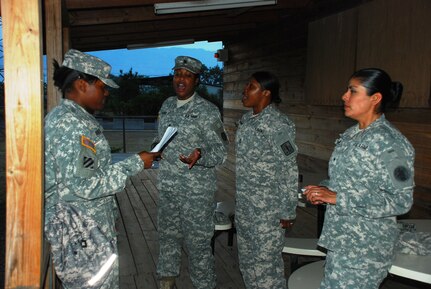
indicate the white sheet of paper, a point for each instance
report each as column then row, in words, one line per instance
column 169, row 133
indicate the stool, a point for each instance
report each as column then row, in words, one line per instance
column 308, row 276
column 227, row 210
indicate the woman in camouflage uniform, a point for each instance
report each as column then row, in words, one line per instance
column 78, row 166
column 187, row 180
column 266, row 183
column 370, row 183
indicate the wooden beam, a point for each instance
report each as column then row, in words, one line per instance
column 88, row 4
column 152, row 36
column 170, row 25
column 54, row 47
column 22, row 38
column 146, row 13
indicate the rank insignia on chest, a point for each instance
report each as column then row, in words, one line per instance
column 86, row 142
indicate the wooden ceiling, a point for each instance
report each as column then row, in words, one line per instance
column 113, row 24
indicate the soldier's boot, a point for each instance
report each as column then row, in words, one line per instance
column 167, row 282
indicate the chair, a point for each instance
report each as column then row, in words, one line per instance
column 224, row 214
column 301, row 247
column 308, row 276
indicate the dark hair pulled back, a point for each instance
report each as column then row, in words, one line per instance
column 64, row 77
column 376, row 80
column 269, row 82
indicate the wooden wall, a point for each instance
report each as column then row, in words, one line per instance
column 314, row 70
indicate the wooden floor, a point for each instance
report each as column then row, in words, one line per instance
column 138, row 238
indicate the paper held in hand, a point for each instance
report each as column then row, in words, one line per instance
column 169, row 133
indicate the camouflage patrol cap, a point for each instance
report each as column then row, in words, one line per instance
column 191, row 64
column 89, row 64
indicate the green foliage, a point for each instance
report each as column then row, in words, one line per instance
column 212, row 75
column 134, row 97
column 129, row 85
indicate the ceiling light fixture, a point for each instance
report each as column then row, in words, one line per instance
column 160, row 44
column 203, row 5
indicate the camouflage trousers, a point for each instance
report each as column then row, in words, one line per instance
column 260, row 248
column 187, row 219
column 112, row 281
column 347, row 272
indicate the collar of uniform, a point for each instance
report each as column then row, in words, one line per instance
column 73, row 105
column 181, row 102
column 76, row 108
column 267, row 110
column 375, row 123
column 356, row 131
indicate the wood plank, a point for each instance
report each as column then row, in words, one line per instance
column 406, row 27
column 146, row 280
column 128, row 281
column 22, row 44
column 146, row 217
column 228, row 275
column 126, row 260
column 227, row 266
column 54, row 48
column 79, row 4
column 331, row 57
column 140, row 251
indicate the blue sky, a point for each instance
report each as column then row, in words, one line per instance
column 158, row 61
column 153, row 61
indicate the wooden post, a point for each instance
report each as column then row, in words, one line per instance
column 22, row 39
column 54, row 47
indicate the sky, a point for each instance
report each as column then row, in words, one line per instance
column 152, row 62
column 158, row 61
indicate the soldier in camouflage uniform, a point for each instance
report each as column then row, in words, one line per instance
column 187, row 180
column 78, row 166
column 266, row 183
column 370, row 183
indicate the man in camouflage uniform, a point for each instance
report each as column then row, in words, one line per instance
column 187, row 180
column 78, row 166
column 267, row 187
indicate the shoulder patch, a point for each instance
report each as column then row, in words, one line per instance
column 285, row 144
column 287, row 148
column 398, row 169
column 218, row 127
column 86, row 163
column 86, row 142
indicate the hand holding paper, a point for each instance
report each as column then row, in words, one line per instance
column 169, row 133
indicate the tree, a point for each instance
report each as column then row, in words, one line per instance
column 212, row 75
column 131, row 98
column 136, row 98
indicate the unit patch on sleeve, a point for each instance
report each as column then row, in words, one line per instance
column 287, row 148
column 219, row 129
column 396, row 165
column 86, row 142
column 285, row 144
column 88, row 163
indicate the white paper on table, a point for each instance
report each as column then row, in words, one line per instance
column 169, row 133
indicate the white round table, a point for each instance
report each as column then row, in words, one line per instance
column 308, row 276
